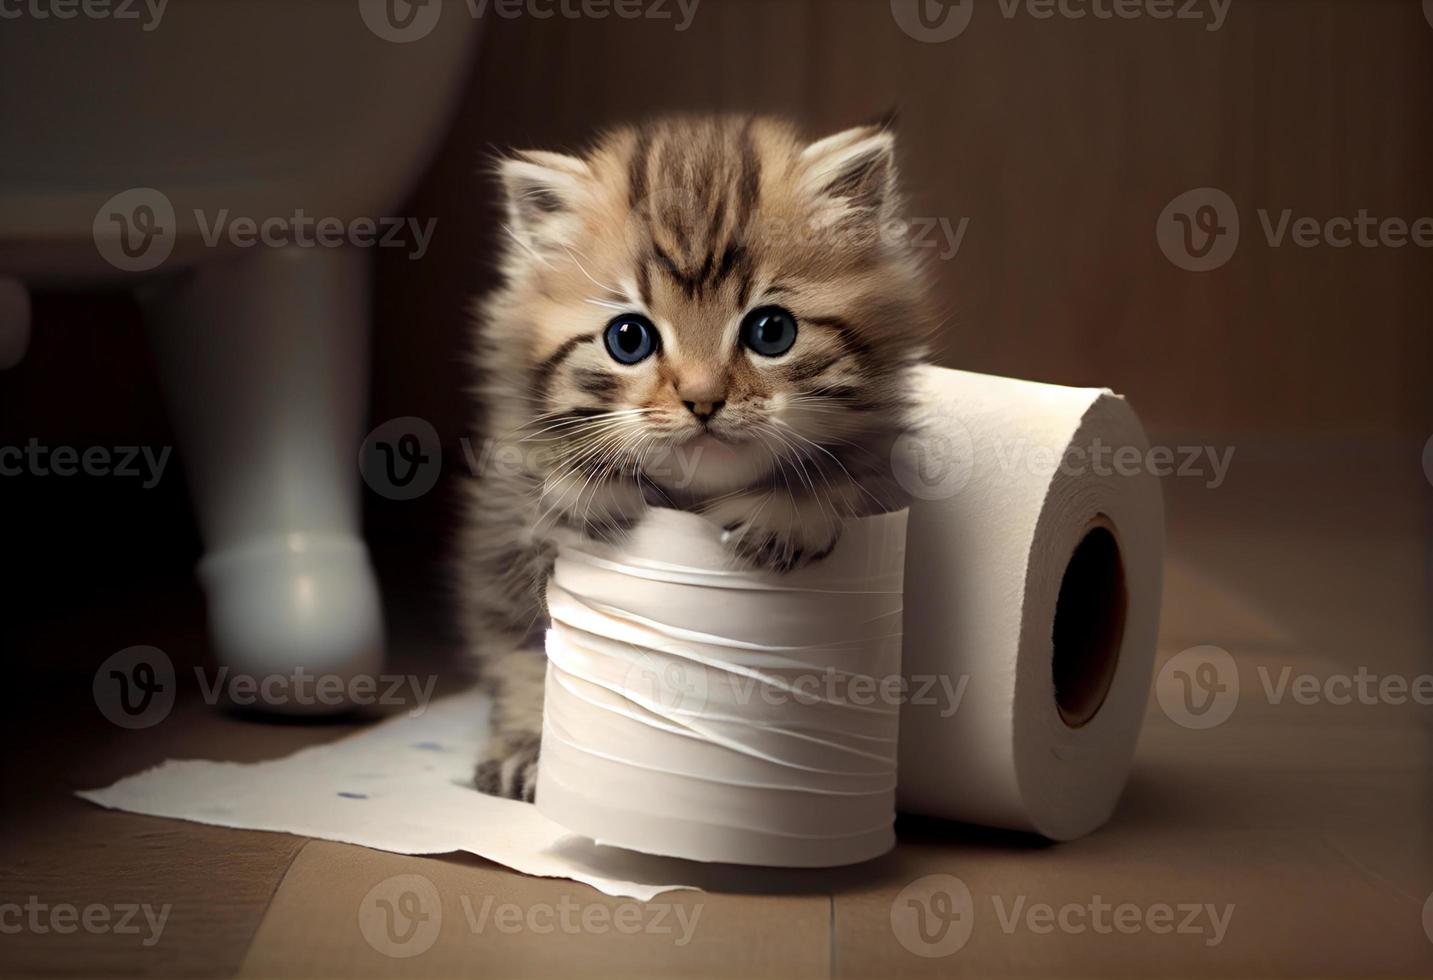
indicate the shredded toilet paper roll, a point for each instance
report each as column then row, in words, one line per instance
column 1033, row 586
column 701, row 710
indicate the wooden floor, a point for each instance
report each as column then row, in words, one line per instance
column 1293, row 839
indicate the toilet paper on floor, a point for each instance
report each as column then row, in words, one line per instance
column 704, row 710
column 405, row 786
column 1033, row 581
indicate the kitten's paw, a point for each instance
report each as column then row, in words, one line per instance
column 781, row 548
column 508, row 767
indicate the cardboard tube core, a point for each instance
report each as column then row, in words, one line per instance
column 1089, row 624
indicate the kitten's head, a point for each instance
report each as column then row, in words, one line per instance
column 711, row 299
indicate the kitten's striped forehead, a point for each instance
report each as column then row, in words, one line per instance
column 692, row 190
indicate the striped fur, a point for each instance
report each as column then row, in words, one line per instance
column 691, row 222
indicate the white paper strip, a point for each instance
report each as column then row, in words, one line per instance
column 404, row 786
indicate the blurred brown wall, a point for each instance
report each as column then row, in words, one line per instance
column 1061, row 141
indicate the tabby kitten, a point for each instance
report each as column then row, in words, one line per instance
column 704, row 313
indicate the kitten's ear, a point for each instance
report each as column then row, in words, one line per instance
column 543, row 193
column 853, row 172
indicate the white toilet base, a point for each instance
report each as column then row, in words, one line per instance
column 299, row 613
column 264, row 360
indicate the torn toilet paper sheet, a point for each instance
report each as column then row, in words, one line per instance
column 404, row 786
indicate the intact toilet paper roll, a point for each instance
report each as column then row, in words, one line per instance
column 1033, row 582
column 702, row 710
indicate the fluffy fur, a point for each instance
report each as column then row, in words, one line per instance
column 691, row 222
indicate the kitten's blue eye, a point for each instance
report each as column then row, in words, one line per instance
column 631, row 338
column 769, row 330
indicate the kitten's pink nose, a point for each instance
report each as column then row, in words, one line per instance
column 702, row 394
column 703, row 410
